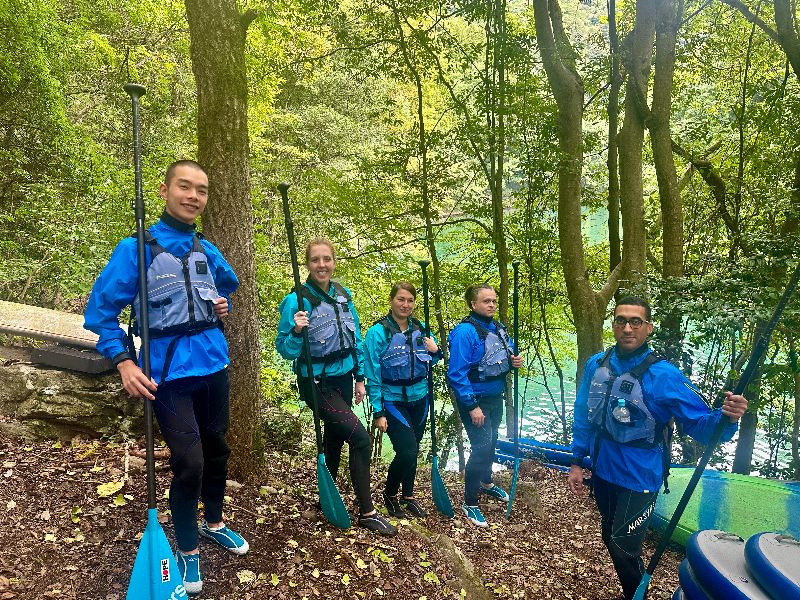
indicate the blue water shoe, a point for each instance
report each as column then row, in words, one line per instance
column 474, row 515
column 227, row 538
column 495, row 492
column 189, row 568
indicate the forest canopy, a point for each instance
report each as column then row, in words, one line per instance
column 647, row 147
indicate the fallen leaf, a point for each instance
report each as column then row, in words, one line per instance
column 109, row 489
column 246, row 576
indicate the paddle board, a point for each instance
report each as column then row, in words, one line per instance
column 717, row 562
column 774, row 561
column 738, row 504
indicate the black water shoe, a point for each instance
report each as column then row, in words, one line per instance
column 412, row 507
column 377, row 524
column 393, row 506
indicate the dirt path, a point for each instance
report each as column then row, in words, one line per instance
column 63, row 539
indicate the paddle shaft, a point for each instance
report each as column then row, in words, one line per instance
column 427, row 313
column 759, row 348
column 283, row 188
column 136, row 91
column 515, row 306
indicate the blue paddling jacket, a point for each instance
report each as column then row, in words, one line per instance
column 391, row 374
column 667, row 393
column 201, row 353
column 468, row 349
column 333, row 320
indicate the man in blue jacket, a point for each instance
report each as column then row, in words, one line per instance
column 626, row 399
column 189, row 285
column 481, row 355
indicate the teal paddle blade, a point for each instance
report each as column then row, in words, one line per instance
column 642, row 589
column 329, row 498
column 155, row 573
column 441, row 499
column 513, row 490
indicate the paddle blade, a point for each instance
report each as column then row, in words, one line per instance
column 642, row 589
column 155, row 573
column 329, row 498
column 513, row 490
column 441, row 499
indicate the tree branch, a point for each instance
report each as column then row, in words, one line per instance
column 753, row 18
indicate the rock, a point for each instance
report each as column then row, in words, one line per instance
column 136, row 464
column 232, row 485
column 51, row 403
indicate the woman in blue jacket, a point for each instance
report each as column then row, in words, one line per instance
column 397, row 359
column 336, row 348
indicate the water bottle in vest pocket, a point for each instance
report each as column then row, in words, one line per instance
column 204, row 303
column 641, row 428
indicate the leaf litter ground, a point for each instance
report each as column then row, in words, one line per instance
column 75, row 513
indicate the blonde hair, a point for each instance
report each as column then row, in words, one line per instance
column 319, row 241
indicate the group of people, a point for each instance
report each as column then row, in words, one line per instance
column 625, row 399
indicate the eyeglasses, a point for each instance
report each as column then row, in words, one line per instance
column 634, row 322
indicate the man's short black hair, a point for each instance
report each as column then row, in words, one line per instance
column 181, row 163
column 636, row 301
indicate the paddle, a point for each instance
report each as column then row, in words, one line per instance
column 759, row 348
column 329, row 498
column 441, row 499
column 155, row 573
column 515, row 477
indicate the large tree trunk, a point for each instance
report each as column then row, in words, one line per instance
column 217, row 32
column 615, row 83
column 588, row 307
column 638, row 56
column 668, row 20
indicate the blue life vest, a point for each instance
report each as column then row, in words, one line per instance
column 606, row 391
column 331, row 325
column 406, row 360
column 180, row 291
column 496, row 360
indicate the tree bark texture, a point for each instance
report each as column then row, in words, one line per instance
column 667, row 22
column 217, row 33
column 558, row 56
column 615, row 83
column 637, row 56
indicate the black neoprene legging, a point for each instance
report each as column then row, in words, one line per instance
column 624, row 518
column 342, row 425
column 406, row 426
column 192, row 413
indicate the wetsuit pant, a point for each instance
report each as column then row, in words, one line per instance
column 193, row 413
column 624, row 518
column 342, row 425
column 406, row 426
column 482, row 442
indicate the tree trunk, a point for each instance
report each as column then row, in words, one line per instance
column 638, row 56
column 558, row 56
column 615, row 83
column 217, row 32
column 669, row 17
column 743, row 458
column 795, row 439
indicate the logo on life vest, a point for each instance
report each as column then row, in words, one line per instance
column 166, row 276
column 626, row 387
column 164, row 570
